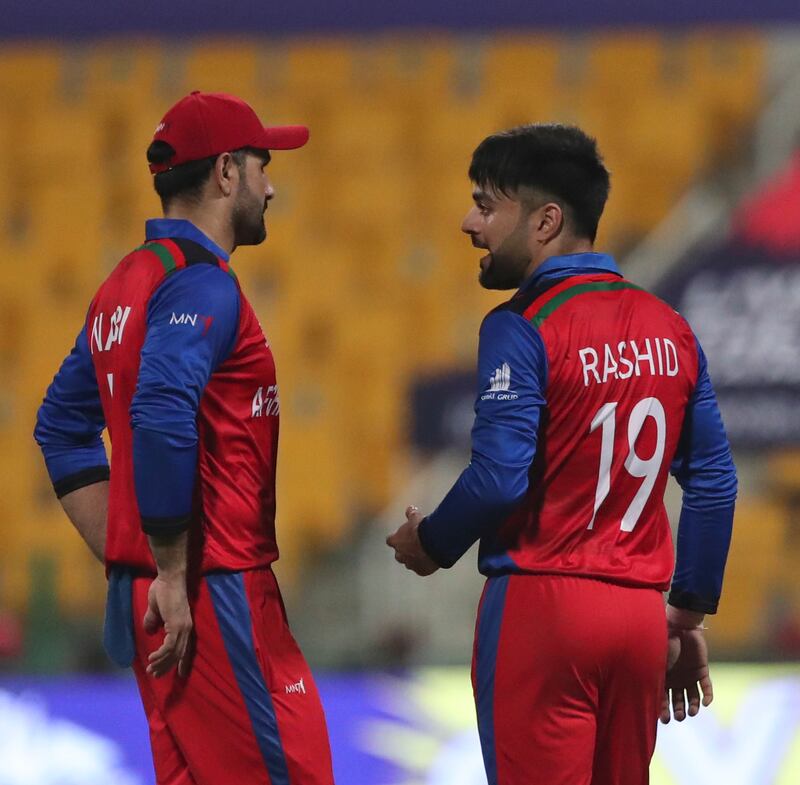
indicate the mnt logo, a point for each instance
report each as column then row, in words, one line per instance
column 191, row 319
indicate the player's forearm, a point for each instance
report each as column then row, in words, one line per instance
column 480, row 500
column 87, row 508
column 169, row 552
column 704, row 537
column 164, row 472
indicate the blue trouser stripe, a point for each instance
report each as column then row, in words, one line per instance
column 489, row 623
column 233, row 616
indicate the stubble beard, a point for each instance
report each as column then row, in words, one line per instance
column 248, row 220
column 507, row 265
column 503, row 272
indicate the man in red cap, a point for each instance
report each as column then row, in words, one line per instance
column 174, row 362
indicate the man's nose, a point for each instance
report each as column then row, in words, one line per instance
column 468, row 224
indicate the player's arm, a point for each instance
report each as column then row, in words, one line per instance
column 177, row 360
column 704, row 468
column 68, row 430
column 511, row 359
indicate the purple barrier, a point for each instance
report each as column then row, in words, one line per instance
column 58, row 19
column 92, row 731
column 394, row 730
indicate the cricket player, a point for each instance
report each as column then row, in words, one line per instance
column 173, row 361
column 590, row 390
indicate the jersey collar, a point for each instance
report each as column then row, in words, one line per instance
column 161, row 228
column 572, row 264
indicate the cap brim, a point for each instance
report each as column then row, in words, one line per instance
column 285, row 137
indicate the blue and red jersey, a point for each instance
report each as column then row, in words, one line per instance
column 173, row 361
column 590, row 391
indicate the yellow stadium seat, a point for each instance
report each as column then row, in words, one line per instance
column 366, row 280
column 30, row 74
column 521, row 79
column 750, row 576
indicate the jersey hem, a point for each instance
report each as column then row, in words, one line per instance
column 688, row 601
column 77, row 480
column 166, row 527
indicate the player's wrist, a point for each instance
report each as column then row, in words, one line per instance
column 173, row 575
column 684, row 619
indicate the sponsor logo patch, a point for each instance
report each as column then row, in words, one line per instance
column 500, row 385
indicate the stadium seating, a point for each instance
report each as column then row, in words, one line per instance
column 365, row 280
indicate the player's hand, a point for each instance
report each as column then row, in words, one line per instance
column 168, row 606
column 408, row 549
column 688, row 677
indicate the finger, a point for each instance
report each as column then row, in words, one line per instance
column 163, row 662
column 665, row 715
column 412, row 511
column 183, row 659
column 708, row 690
column 678, row 705
column 693, row 696
column 162, row 666
column 166, row 649
column 163, row 669
column 398, row 557
column 175, row 654
column 182, row 655
column 415, row 566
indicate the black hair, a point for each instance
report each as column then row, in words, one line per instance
column 560, row 162
column 187, row 180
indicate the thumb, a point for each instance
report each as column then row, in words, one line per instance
column 152, row 619
column 411, row 511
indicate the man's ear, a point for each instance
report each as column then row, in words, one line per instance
column 548, row 222
column 226, row 173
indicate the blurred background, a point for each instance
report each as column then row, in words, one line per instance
column 368, row 294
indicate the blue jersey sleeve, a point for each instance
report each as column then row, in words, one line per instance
column 703, row 466
column 70, row 422
column 178, row 357
column 512, row 370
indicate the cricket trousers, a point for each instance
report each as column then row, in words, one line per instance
column 248, row 713
column 568, row 676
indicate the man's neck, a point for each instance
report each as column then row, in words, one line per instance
column 218, row 231
column 558, row 249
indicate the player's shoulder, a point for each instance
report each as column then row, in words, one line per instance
column 513, row 311
column 524, row 298
column 201, row 283
column 653, row 304
column 505, row 320
column 168, row 256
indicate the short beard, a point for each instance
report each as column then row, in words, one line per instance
column 503, row 272
column 509, row 263
column 248, row 220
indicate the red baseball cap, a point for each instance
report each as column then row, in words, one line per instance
column 205, row 124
